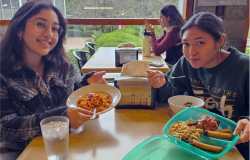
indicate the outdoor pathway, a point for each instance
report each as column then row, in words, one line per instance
column 75, row 42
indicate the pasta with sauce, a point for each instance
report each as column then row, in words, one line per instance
column 92, row 100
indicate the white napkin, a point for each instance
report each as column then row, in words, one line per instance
column 135, row 68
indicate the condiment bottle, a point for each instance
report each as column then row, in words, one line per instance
column 146, row 44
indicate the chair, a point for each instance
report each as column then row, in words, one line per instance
column 91, row 47
column 81, row 57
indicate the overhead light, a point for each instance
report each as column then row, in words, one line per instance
column 98, row 8
column 106, row 7
column 4, row 5
column 91, row 8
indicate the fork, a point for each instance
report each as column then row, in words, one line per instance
column 175, row 77
column 94, row 114
column 169, row 76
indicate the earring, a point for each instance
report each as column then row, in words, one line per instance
column 20, row 39
column 218, row 49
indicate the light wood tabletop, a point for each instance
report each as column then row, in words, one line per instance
column 113, row 135
column 104, row 60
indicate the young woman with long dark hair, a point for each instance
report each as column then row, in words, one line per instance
column 170, row 20
column 37, row 77
column 220, row 77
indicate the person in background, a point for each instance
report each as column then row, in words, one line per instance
column 170, row 41
column 219, row 77
column 37, row 77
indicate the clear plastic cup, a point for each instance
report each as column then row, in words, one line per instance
column 55, row 131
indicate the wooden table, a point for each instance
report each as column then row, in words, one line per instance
column 113, row 135
column 104, row 60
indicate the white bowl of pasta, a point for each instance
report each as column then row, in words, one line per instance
column 102, row 96
column 180, row 102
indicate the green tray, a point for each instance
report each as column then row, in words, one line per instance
column 159, row 148
column 195, row 114
column 170, row 148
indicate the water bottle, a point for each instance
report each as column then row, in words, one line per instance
column 146, row 44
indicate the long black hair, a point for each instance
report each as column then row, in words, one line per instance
column 174, row 15
column 206, row 22
column 11, row 46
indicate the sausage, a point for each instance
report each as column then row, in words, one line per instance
column 227, row 130
column 221, row 130
column 206, row 147
column 218, row 134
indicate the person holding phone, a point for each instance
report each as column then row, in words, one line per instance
column 171, row 21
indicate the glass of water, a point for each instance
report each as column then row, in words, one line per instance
column 55, row 131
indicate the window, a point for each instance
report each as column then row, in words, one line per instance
column 116, row 9
column 248, row 43
column 77, row 35
column 8, row 8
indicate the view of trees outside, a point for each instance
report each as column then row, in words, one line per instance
column 104, row 36
column 248, row 43
column 116, row 8
column 109, row 36
column 112, row 9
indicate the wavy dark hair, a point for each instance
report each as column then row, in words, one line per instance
column 174, row 15
column 206, row 22
column 12, row 48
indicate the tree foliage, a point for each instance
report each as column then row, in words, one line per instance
column 117, row 37
column 112, row 39
column 130, row 8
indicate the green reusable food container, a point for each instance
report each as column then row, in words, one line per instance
column 169, row 147
column 159, row 148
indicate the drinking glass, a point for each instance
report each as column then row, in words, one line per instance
column 55, row 131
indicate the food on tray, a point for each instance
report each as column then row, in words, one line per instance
column 189, row 104
column 227, row 130
column 192, row 123
column 188, row 132
column 92, row 100
column 218, row 134
column 207, row 123
column 184, row 132
column 206, row 147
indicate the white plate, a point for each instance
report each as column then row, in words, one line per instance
column 112, row 91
